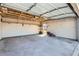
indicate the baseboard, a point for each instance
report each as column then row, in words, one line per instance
column 18, row 36
column 67, row 38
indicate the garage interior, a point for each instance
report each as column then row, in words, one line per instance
column 39, row 29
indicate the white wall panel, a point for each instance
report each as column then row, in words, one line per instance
column 9, row 30
column 63, row 28
column 0, row 30
column 12, row 29
column 0, row 27
column 78, row 29
column 1, row 42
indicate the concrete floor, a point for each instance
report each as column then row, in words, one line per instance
column 38, row 46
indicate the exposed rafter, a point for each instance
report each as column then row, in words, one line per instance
column 60, row 14
column 31, row 7
column 18, row 16
column 54, row 10
column 71, row 7
column 7, row 12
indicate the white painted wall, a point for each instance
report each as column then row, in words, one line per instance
column 0, row 30
column 63, row 28
column 1, row 41
column 12, row 29
column 9, row 30
column 78, row 29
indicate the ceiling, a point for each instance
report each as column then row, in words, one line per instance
column 47, row 10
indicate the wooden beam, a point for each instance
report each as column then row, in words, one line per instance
column 20, row 23
column 14, row 14
column 18, row 15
